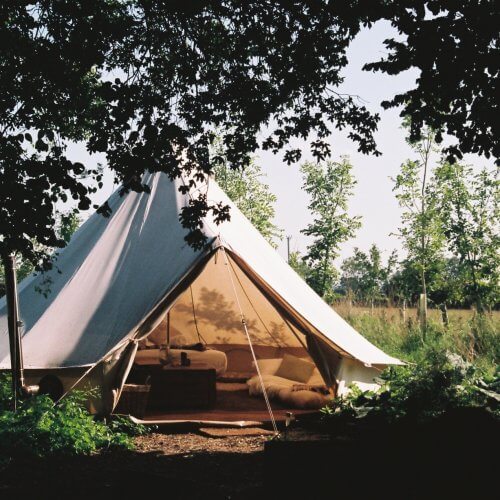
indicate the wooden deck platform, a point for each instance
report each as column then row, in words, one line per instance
column 220, row 416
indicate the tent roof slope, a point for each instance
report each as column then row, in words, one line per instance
column 239, row 236
column 93, row 303
column 97, row 286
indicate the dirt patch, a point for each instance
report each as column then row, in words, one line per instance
column 196, row 443
column 186, row 465
column 234, row 432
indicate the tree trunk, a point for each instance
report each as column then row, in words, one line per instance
column 16, row 360
column 423, row 307
column 422, row 313
column 325, row 267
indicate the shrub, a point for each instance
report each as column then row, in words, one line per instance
column 40, row 428
column 421, row 392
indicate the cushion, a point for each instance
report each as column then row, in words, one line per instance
column 268, row 366
column 294, row 368
column 316, row 378
column 272, row 383
column 304, row 400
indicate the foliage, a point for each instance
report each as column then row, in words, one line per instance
column 443, row 283
column 364, row 276
column 421, row 392
column 146, row 84
column 5, row 392
column 454, row 47
column 450, row 232
column 469, row 204
column 421, row 229
column 40, row 428
column 247, row 190
column 475, row 338
column 123, row 425
column 298, row 264
column 329, row 185
column 66, row 224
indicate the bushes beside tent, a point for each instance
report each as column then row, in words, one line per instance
column 429, row 433
column 418, row 393
column 40, row 428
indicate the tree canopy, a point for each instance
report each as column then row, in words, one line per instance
column 455, row 46
column 146, row 83
column 330, row 185
column 247, row 190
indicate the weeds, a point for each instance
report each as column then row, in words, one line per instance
column 41, row 428
column 420, row 392
column 476, row 338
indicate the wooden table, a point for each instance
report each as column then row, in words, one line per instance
column 180, row 387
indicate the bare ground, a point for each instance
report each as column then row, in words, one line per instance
column 186, row 465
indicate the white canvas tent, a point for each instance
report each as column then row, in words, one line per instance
column 118, row 277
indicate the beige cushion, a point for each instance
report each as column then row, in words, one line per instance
column 316, row 378
column 294, row 368
column 304, row 400
column 268, row 366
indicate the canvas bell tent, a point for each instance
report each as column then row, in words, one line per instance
column 128, row 284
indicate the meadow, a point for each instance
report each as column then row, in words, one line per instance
column 475, row 338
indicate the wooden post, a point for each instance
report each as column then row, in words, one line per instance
column 444, row 314
column 403, row 311
column 422, row 311
column 16, row 355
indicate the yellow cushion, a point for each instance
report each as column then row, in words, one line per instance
column 294, row 368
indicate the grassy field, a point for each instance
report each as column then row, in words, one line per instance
column 475, row 338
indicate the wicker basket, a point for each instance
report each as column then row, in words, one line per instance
column 133, row 400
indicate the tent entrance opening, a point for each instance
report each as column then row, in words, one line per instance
column 198, row 360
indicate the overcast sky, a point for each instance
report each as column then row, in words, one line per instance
column 373, row 198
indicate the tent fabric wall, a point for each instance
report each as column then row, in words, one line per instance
column 105, row 282
column 209, row 307
column 352, row 372
column 114, row 280
column 244, row 240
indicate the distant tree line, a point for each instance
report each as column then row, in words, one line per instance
column 449, row 230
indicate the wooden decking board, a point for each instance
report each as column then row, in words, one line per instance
column 224, row 415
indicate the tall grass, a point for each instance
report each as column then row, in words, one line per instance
column 475, row 338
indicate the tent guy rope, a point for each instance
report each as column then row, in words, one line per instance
column 244, row 323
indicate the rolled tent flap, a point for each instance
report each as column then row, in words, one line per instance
column 115, row 373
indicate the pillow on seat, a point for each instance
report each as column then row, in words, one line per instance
column 303, row 400
column 268, row 366
column 294, row 368
column 316, row 378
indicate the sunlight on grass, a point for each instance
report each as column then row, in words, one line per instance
column 475, row 338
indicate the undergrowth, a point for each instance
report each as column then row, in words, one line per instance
column 441, row 383
column 41, row 428
column 475, row 338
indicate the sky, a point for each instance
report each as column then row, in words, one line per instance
column 373, row 198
